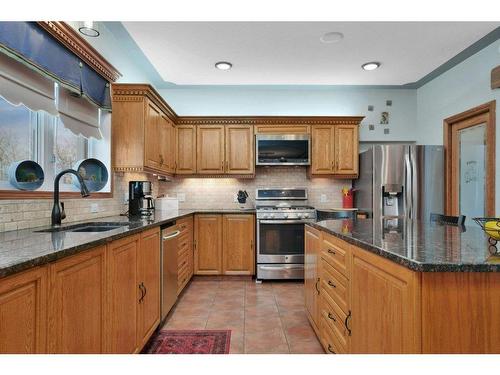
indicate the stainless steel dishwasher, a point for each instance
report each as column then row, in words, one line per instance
column 169, row 234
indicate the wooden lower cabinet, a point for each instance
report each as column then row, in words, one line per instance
column 185, row 255
column 149, row 278
column 77, row 304
column 23, row 312
column 123, row 294
column 238, row 250
column 385, row 306
column 311, row 274
column 208, row 244
column 224, row 244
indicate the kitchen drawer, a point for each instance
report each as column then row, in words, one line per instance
column 335, row 285
column 183, row 249
column 185, row 224
column 335, row 318
column 329, row 340
column 183, row 260
column 184, row 241
column 337, row 253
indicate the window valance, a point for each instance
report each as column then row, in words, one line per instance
column 30, row 44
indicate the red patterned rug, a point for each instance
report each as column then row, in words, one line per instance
column 189, row 342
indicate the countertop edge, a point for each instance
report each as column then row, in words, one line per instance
column 408, row 263
column 63, row 253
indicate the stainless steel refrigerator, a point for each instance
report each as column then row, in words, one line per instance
column 404, row 181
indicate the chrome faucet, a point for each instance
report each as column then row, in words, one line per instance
column 58, row 212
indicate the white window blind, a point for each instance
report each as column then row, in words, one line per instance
column 21, row 85
column 78, row 114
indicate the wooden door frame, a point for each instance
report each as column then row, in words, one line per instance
column 448, row 126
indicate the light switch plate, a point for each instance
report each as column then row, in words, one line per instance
column 125, row 198
column 323, row 198
column 181, row 197
column 94, row 207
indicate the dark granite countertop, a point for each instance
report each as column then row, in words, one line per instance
column 28, row 248
column 417, row 245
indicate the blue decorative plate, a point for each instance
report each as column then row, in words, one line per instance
column 26, row 175
column 94, row 174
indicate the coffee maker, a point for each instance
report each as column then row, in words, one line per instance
column 140, row 199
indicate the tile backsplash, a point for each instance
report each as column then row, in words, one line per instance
column 206, row 193
column 200, row 193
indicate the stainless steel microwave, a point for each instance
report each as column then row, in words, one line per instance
column 283, row 149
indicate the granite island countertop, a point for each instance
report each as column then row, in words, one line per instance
column 418, row 245
column 27, row 248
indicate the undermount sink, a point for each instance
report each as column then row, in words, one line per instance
column 86, row 227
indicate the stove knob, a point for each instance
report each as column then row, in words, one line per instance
column 285, row 216
column 271, row 216
column 306, row 215
column 265, row 216
column 299, row 216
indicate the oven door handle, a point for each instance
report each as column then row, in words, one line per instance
column 281, row 267
column 285, row 221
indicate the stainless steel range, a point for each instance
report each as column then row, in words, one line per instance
column 281, row 215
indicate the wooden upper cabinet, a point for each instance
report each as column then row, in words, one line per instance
column 210, row 149
column 311, row 273
column 240, row 149
column 335, row 150
column 23, row 312
column 346, row 149
column 323, row 149
column 186, row 149
column 123, row 295
column 77, row 304
column 385, row 306
column 167, row 145
column 143, row 132
column 238, row 254
column 153, row 137
column 208, row 244
column 149, row 278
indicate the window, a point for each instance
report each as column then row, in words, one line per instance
column 39, row 136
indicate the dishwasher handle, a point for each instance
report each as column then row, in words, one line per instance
column 172, row 235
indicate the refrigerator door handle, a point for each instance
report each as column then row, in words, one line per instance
column 408, row 187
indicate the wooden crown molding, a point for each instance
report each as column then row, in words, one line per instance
column 80, row 47
column 124, row 91
column 495, row 78
column 271, row 120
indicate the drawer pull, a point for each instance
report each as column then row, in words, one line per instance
column 332, row 317
column 330, row 349
column 316, row 285
column 331, row 284
column 331, row 251
column 347, row 318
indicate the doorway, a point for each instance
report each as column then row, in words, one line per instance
column 469, row 140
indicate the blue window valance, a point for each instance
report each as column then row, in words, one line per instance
column 35, row 47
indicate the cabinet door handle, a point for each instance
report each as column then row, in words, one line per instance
column 222, row 165
column 333, row 165
column 347, row 318
column 142, row 292
column 251, row 244
column 145, row 290
column 331, row 251
column 332, row 317
column 331, row 284
column 316, row 285
column 330, row 349
column 227, row 165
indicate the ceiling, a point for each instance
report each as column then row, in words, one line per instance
column 291, row 53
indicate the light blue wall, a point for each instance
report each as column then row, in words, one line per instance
column 463, row 87
column 307, row 101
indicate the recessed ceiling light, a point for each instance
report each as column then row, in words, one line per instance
column 223, row 65
column 332, row 37
column 371, row 65
column 89, row 29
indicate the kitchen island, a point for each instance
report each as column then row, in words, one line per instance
column 402, row 286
